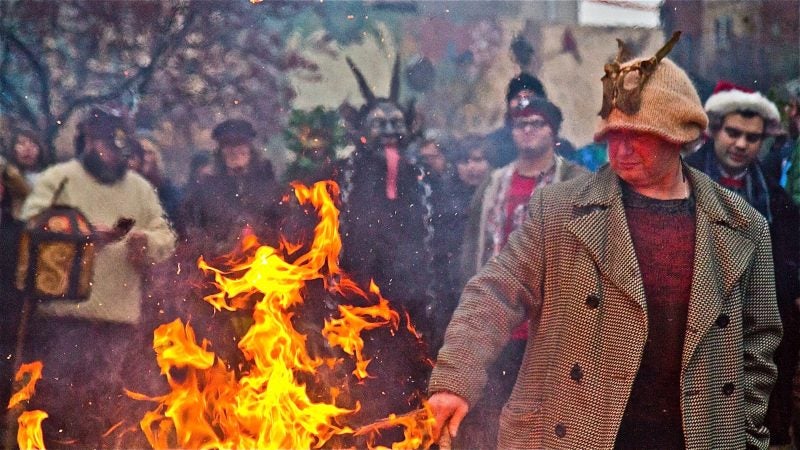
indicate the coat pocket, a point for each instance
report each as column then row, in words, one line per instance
column 519, row 424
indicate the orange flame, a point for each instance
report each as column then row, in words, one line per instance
column 34, row 371
column 29, row 433
column 345, row 332
column 267, row 406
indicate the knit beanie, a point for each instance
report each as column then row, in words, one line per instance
column 107, row 124
column 670, row 108
column 728, row 98
column 524, row 82
column 539, row 106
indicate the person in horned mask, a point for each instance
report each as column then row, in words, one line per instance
column 385, row 207
column 385, row 235
column 648, row 288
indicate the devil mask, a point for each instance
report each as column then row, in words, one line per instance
column 381, row 122
column 380, row 127
column 385, row 126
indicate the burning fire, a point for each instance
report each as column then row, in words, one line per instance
column 29, row 433
column 275, row 401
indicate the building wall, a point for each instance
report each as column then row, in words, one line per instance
column 753, row 43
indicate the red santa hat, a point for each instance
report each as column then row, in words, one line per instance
column 728, row 98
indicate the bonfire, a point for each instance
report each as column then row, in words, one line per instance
column 283, row 395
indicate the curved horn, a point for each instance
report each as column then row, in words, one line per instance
column 366, row 92
column 664, row 51
column 394, row 91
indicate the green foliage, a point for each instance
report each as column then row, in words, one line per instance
column 319, row 123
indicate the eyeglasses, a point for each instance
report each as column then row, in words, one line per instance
column 735, row 133
column 536, row 124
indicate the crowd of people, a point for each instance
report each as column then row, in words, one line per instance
column 639, row 292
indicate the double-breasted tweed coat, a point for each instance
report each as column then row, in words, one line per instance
column 572, row 269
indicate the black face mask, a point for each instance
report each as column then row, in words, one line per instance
column 385, row 125
column 100, row 170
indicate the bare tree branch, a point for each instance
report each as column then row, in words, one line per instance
column 143, row 76
column 41, row 70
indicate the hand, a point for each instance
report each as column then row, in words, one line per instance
column 137, row 249
column 448, row 409
column 105, row 235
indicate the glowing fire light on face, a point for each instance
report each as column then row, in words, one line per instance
column 29, row 431
column 268, row 406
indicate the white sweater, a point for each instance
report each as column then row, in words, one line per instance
column 117, row 285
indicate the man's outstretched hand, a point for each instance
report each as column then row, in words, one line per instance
column 103, row 235
column 448, row 409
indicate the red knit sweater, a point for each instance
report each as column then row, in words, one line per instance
column 663, row 234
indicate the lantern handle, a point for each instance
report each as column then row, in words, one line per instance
column 58, row 192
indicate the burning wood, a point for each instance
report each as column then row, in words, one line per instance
column 418, row 425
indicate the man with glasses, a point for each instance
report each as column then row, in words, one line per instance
column 648, row 290
column 739, row 120
column 500, row 142
column 499, row 207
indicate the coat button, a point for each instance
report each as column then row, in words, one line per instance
column 576, row 373
column 561, row 430
column 723, row 320
column 593, row 301
column 728, row 389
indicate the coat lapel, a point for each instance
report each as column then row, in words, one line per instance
column 722, row 254
column 600, row 225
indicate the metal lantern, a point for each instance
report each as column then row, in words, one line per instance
column 56, row 255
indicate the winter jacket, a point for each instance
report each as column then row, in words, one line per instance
column 218, row 211
column 478, row 243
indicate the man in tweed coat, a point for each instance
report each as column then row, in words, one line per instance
column 498, row 207
column 649, row 290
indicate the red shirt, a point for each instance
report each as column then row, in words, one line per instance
column 519, row 193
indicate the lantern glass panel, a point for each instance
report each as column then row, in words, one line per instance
column 53, row 267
